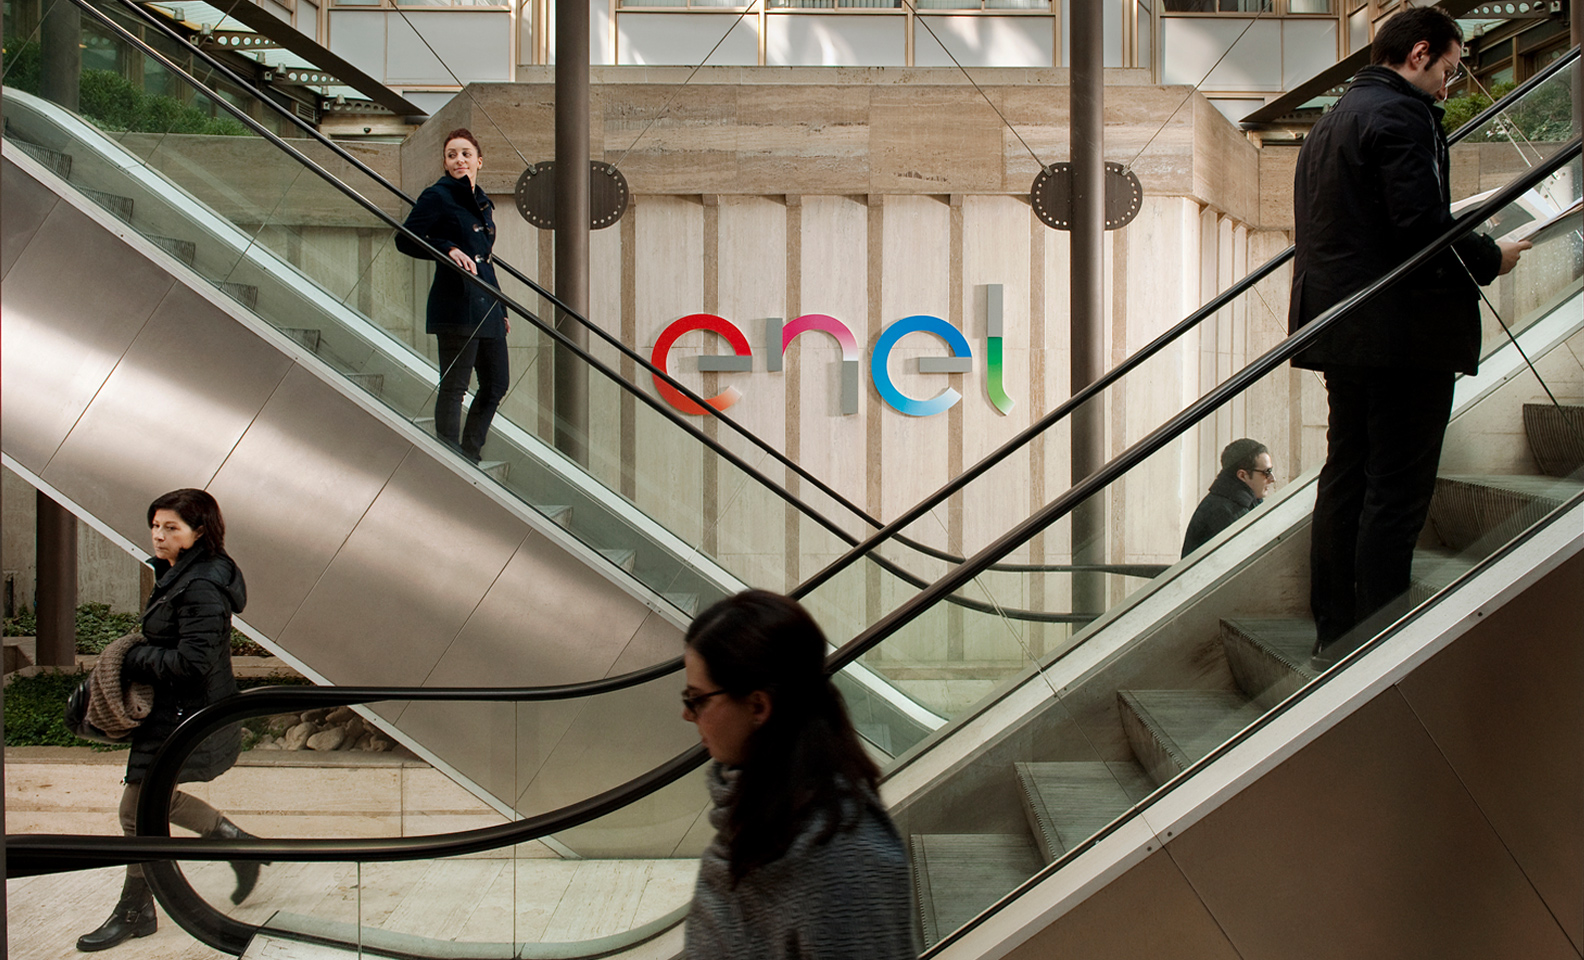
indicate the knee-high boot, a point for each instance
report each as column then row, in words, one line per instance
column 133, row 917
column 247, row 871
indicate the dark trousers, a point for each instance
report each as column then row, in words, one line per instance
column 1383, row 446
column 460, row 356
column 186, row 810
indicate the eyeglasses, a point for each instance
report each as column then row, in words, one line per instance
column 1269, row 472
column 692, row 704
column 1453, row 77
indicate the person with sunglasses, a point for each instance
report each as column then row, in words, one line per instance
column 1246, row 476
column 1372, row 187
column 805, row 861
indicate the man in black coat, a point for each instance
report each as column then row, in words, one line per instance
column 1372, row 188
column 1247, row 474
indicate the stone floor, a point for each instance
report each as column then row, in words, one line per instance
column 532, row 896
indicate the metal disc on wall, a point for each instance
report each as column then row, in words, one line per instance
column 1051, row 196
column 535, row 195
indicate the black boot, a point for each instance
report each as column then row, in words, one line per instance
column 247, row 871
column 133, row 917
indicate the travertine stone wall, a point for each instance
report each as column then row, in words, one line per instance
column 868, row 195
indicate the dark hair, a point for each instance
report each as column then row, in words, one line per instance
column 462, row 133
column 198, row 510
column 806, row 760
column 1396, row 38
column 1241, row 454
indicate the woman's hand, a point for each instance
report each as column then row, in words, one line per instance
column 463, row 260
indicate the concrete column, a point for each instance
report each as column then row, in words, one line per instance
column 1087, row 92
column 572, row 222
column 60, row 43
column 56, row 531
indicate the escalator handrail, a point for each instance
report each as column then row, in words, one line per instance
column 1133, row 361
column 549, row 329
column 153, row 811
column 894, row 528
column 1134, row 455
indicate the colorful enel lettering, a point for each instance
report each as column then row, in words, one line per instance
column 993, row 353
column 778, row 338
column 961, row 361
column 702, row 321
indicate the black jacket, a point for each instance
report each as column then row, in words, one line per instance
column 448, row 214
column 187, row 659
column 1229, row 498
column 1371, row 189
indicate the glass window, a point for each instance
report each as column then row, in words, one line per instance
column 1220, row 6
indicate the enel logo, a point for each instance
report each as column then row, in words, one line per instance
column 778, row 337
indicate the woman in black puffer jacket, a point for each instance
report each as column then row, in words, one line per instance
column 187, row 660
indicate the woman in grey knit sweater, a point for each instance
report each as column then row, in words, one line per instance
column 805, row 862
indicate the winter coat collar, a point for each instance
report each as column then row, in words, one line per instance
column 1373, row 75
column 459, row 189
column 219, row 570
column 1227, row 486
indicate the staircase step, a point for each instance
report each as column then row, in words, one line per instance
column 626, row 559
column 120, row 207
column 1269, row 658
column 1556, row 437
column 958, row 875
column 244, row 293
column 1170, row 729
column 184, row 250
column 58, row 163
column 1067, row 803
column 372, row 382
column 499, row 469
column 1479, row 514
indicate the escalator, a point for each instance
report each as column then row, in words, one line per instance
column 1143, row 698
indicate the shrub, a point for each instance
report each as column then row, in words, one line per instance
column 35, row 707
column 98, row 625
column 23, row 64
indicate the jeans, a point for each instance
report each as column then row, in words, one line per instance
column 1383, row 446
column 460, row 355
column 186, row 810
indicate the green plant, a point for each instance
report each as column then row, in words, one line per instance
column 35, row 707
column 98, row 626
column 1544, row 115
column 23, row 64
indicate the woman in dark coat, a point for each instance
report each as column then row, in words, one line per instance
column 186, row 659
column 455, row 217
column 805, row 860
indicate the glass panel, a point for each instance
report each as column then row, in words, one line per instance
column 613, row 877
column 1122, row 705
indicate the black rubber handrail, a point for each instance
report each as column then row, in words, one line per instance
column 548, row 329
column 1136, row 359
column 911, row 579
column 1149, row 350
column 45, row 853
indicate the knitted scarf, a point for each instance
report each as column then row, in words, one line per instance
column 113, row 707
column 845, row 899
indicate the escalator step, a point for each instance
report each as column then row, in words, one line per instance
column 58, row 163
column 1476, row 515
column 310, row 339
column 558, row 513
column 244, row 293
column 1067, row 803
column 1170, row 729
column 1556, row 437
column 372, row 382
column 499, row 469
column 958, row 875
column 1434, row 569
column 1269, row 658
column 119, row 207
column 686, row 602
column 626, row 559
column 184, row 250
